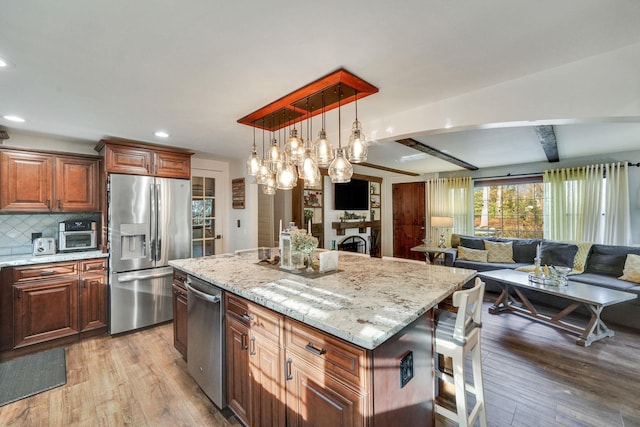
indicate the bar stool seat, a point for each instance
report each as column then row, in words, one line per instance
column 457, row 335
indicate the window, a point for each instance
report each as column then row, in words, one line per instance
column 509, row 208
column 203, row 192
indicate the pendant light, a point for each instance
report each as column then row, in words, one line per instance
column 294, row 147
column 340, row 170
column 323, row 150
column 270, row 185
column 357, row 150
column 254, row 162
column 263, row 172
column 309, row 170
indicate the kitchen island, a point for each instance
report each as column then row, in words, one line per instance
column 352, row 347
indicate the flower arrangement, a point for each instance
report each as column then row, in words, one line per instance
column 302, row 242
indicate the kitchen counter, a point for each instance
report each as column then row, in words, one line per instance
column 366, row 302
column 27, row 259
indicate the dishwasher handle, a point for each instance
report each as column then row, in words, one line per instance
column 211, row 298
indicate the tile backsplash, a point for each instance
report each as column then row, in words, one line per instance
column 15, row 230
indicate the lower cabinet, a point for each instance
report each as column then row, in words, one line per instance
column 44, row 302
column 180, row 312
column 238, row 380
column 45, row 311
column 314, row 398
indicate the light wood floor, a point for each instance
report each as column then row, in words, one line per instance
column 534, row 375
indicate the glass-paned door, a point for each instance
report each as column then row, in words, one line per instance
column 203, row 215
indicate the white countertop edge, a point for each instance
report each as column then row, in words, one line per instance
column 26, row 259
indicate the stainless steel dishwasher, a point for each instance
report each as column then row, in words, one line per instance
column 205, row 338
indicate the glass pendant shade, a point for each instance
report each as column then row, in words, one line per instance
column 270, row 185
column 287, row 176
column 263, row 174
column 357, row 151
column 253, row 163
column 294, row 147
column 323, row 150
column 340, row 170
column 275, row 156
column 309, row 170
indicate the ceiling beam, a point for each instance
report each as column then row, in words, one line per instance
column 547, row 138
column 417, row 145
column 384, row 168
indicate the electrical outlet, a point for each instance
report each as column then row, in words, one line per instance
column 406, row 369
column 35, row 236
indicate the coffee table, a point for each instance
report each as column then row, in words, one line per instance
column 594, row 298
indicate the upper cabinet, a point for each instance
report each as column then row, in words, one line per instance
column 48, row 182
column 130, row 157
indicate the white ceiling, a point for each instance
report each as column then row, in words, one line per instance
column 87, row 69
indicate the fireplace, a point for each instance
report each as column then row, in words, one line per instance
column 353, row 244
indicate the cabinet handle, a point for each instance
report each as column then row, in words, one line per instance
column 243, row 341
column 247, row 317
column 48, row 203
column 47, row 272
column 316, row 351
column 84, row 283
column 59, row 204
column 252, row 350
column 287, row 369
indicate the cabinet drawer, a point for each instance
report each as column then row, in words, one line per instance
column 43, row 271
column 180, row 278
column 260, row 320
column 344, row 361
column 98, row 265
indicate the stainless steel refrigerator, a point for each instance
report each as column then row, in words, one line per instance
column 149, row 224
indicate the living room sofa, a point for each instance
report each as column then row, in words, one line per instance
column 599, row 265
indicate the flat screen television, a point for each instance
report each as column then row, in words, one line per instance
column 352, row 195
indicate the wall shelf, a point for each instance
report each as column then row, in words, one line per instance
column 360, row 225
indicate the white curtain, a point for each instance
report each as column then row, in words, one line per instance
column 450, row 197
column 578, row 199
column 617, row 221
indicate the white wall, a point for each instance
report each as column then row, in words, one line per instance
column 244, row 235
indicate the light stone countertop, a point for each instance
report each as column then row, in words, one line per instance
column 26, row 259
column 366, row 303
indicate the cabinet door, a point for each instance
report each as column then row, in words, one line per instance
column 172, row 165
column 267, row 391
column 93, row 302
column 76, row 185
column 131, row 160
column 25, row 181
column 238, row 396
column 316, row 399
column 45, row 311
column 180, row 319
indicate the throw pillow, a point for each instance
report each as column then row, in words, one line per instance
column 499, row 251
column 469, row 254
column 631, row 272
column 556, row 253
column 581, row 256
column 472, row 242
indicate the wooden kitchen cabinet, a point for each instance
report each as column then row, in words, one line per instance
column 136, row 158
column 43, row 304
column 45, row 310
column 47, row 182
column 180, row 312
column 255, row 386
column 93, row 294
column 76, row 184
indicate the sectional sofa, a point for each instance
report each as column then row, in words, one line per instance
column 595, row 264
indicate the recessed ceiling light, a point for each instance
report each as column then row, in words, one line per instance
column 3, row 63
column 13, row 118
column 161, row 134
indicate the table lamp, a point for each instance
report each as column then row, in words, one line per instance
column 442, row 223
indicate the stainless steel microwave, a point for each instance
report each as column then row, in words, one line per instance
column 77, row 235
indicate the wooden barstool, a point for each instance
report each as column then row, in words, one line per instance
column 456, row 335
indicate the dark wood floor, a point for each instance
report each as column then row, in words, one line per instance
column 534, row 375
